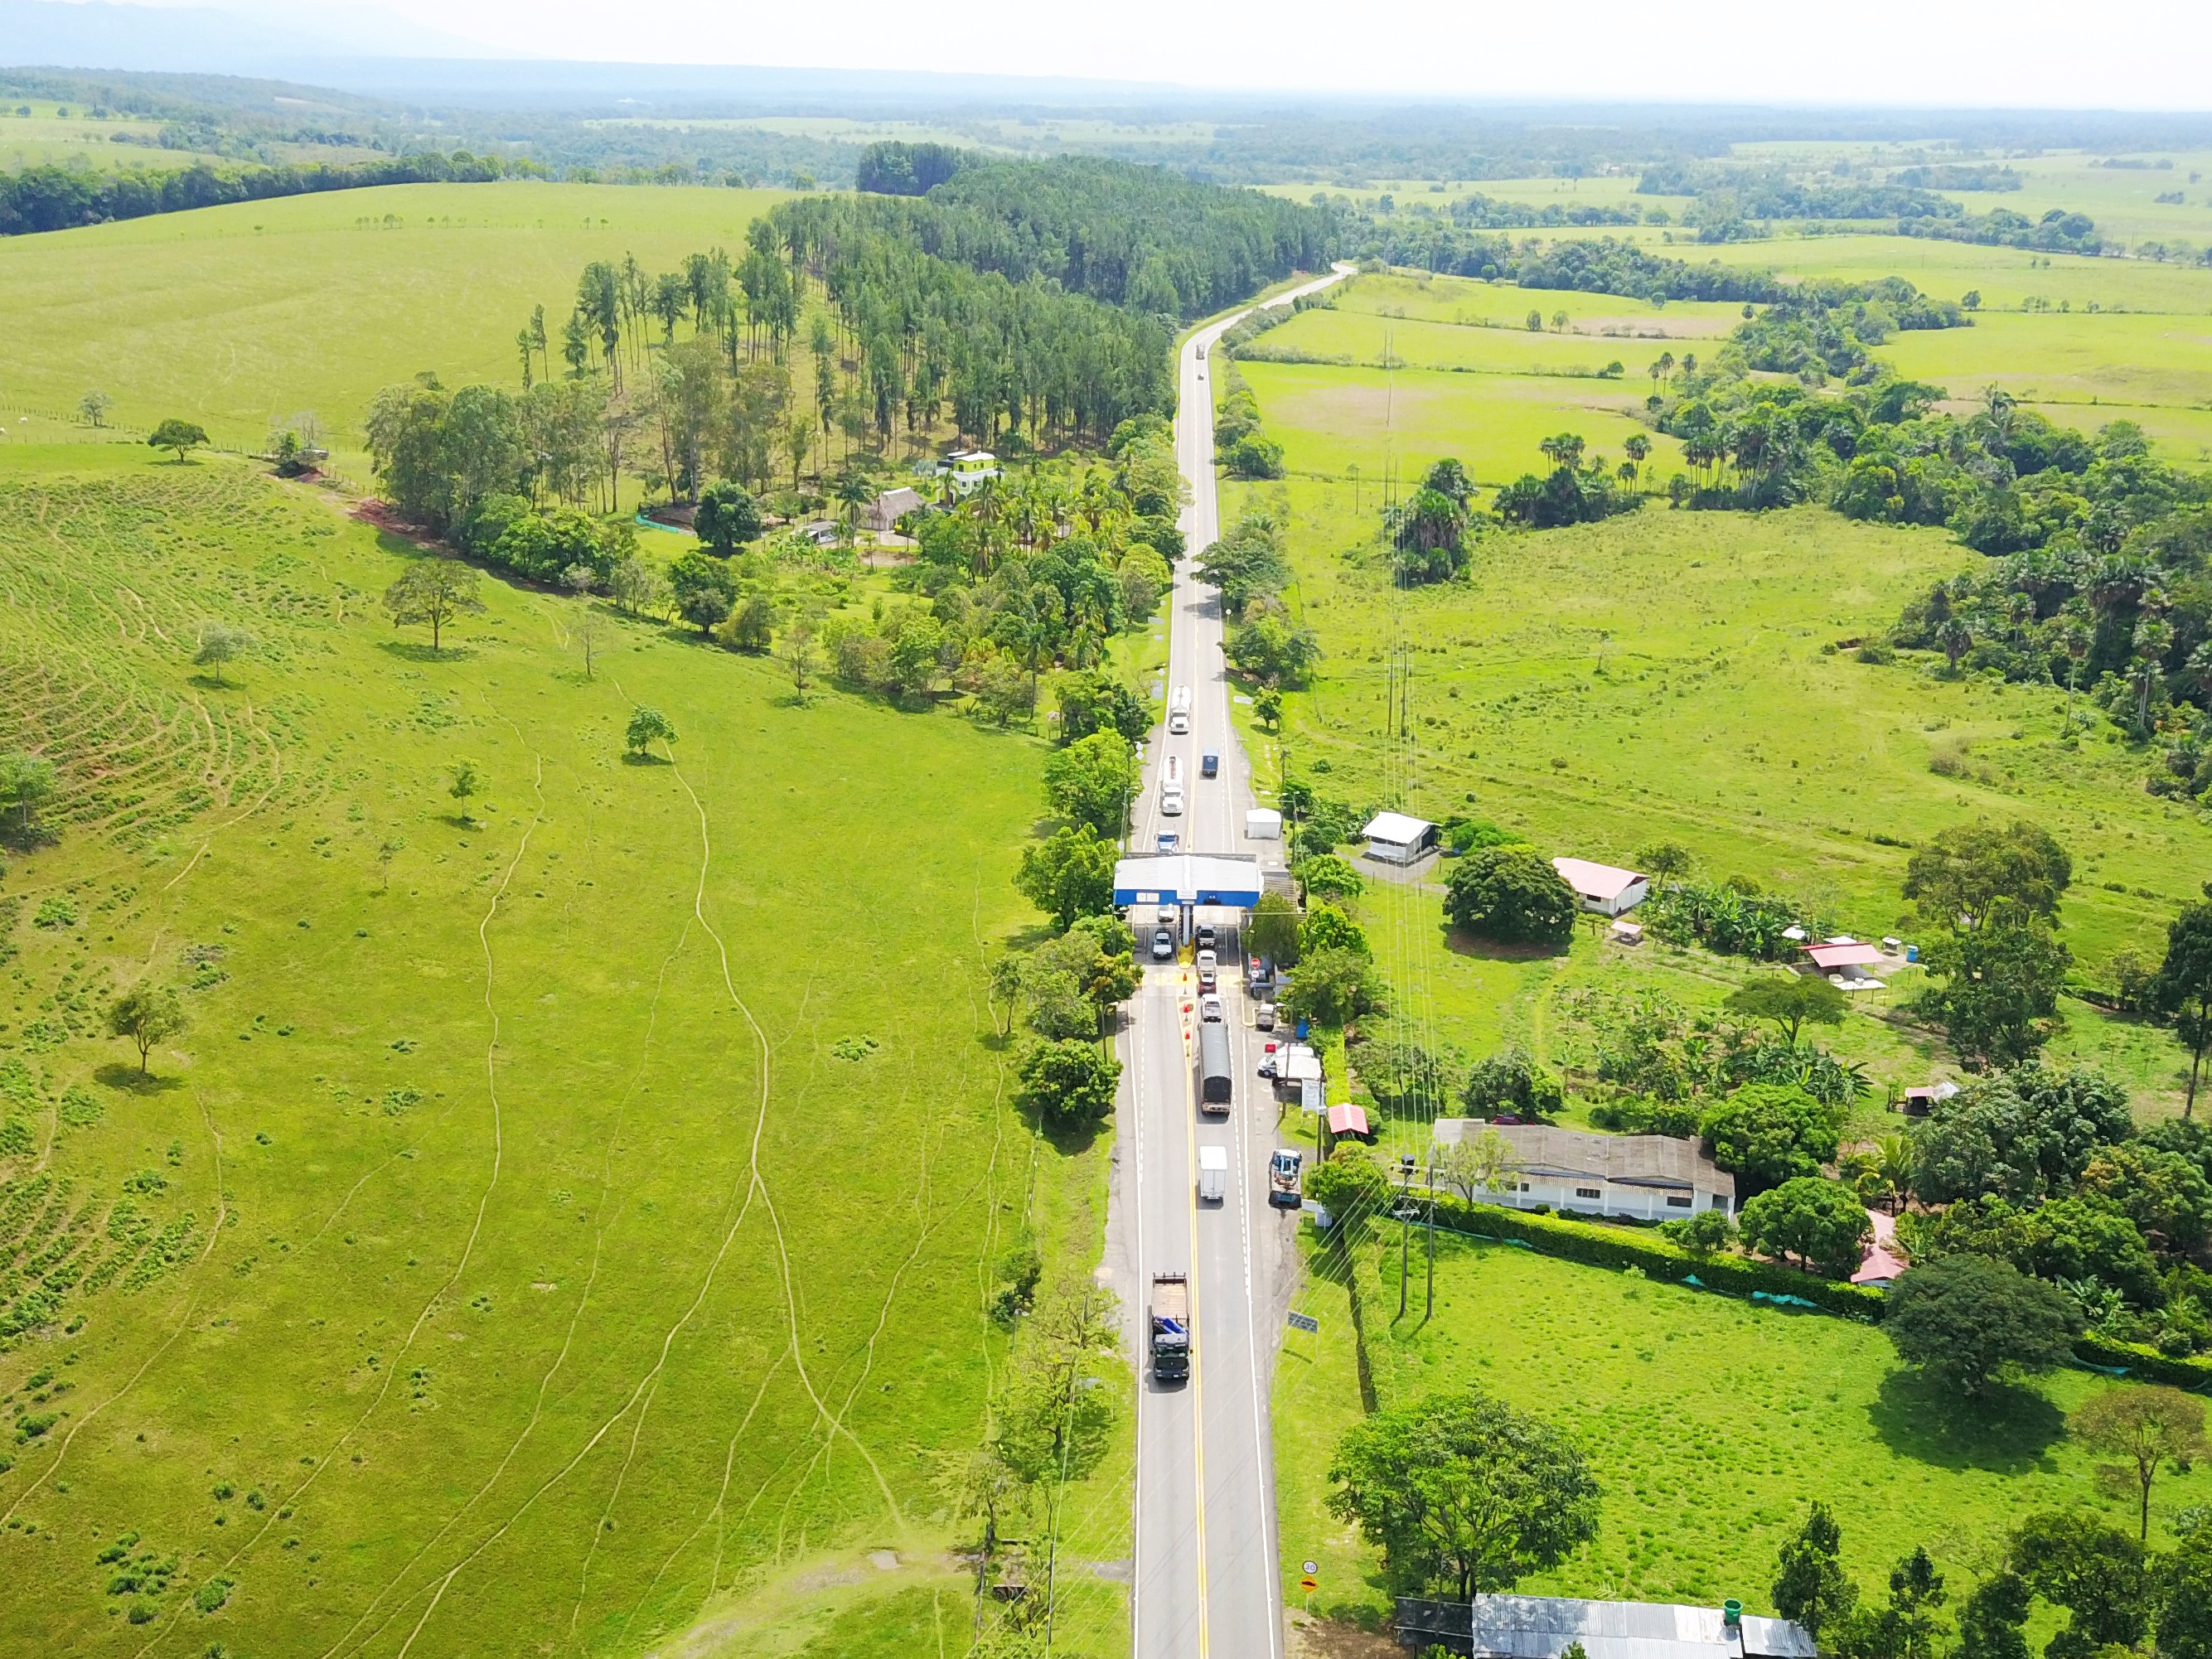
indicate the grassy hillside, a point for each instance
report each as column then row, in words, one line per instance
column 1709, row 1424
column 236, row 316
column 576, row 1231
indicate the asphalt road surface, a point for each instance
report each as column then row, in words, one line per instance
column 1204, row 1581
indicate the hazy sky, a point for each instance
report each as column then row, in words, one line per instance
column 2126, row 54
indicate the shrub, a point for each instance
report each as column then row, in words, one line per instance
column 1510, row 1081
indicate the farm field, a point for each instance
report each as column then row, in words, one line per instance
column 1330, row 420
column 1708, row 1423
column 568, row 1216
column 1662, row 677
column 239, row 315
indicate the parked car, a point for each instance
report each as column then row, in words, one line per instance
column 1209, row 1009
column 1265, row 1018
column 1162, row 945
column 1283, row 1177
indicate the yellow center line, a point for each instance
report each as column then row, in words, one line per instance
column 1197, row 1377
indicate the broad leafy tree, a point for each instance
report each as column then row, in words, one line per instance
column 1092, row 781
column 1464, row 1494
column 1328, row 876
column 646, row 727
column 1792, row 1001
column 1998, row 997
column 2100, row 1575
column 2144, row 1428
column 1511, row 1081
column 1967, row 875
column 1967, row 1321
column 148, row 1015
column 179, row 437
column 1770, row 1133
column 1818, row 1223
column 1334, row 988
column 1093, row 701
column 1511, row 894
column 1070, row 1083
column 1069, row 874
column 26, row 783
column 1273, row 931
column 433, row 593
column 221, row 645
column 728, row 517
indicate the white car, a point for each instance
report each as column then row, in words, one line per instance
column 1209, row 1010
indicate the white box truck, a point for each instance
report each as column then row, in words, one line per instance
column 1171, row 785
column 1212, row 1173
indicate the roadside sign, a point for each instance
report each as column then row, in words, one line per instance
column 1309, row 1583
column 1311, row 1568
column 1306, row 1322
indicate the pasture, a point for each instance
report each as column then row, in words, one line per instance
column 242, row 315
column 1709, row 1424
column 568, row 1218
column 1662, row 677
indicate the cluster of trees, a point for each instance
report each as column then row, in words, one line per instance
column 43, row 198
column 1265, row 642
column 1428, row 532
column 895, row 168
column 1239, row 445
column 1592, row 266
column 2099, row 579
column 2114, row 1592
column 1662, row 1062
column 1576, row 490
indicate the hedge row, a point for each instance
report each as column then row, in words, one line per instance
column 1657, row 1256
column 2147, row 1363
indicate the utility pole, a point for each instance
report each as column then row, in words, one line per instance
column 1430, row 1311
column 1405, row 1222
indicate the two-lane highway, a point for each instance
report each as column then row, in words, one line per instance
column 1204, row 1569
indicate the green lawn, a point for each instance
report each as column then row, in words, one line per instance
column 238, row 316
column 1709, row 1423
column 584, row 1239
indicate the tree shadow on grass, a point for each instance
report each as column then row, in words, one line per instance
column 126, row 1079
column 646, row 757
column 2008, row 1430
column 415, row 651
column 1460, row 942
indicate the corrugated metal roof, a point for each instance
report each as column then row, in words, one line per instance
column 1602, row 882
column 1624, row 1160
column 1396, row 826
column 1542, row 1626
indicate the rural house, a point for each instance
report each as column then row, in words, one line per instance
column 963, row 471
column 1603, row 890
column 883, row 513
column 1649, row 1177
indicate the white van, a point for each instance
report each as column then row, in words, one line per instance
column 1179, row 711
column 1212, row 1173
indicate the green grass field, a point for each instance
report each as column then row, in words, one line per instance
column 1711, row 1424
column 238, row 316
column 1662, row 677
column 580, row 1240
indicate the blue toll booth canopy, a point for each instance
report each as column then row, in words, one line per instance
column 1181, row 878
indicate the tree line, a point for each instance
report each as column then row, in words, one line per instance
column 44, row 198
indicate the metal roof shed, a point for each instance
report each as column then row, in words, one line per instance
column 1396, row 838
column 1545, row 1626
